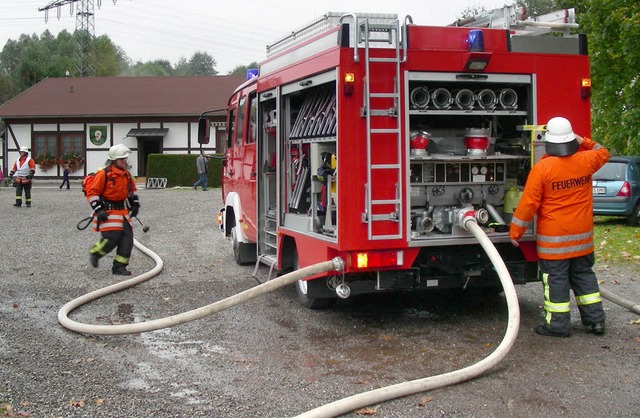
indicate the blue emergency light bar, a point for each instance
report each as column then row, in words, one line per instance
column 476, row 40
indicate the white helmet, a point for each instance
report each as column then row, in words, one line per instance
column 560, row 139
column 119, row 151
column 559, row 131
column 24, row 149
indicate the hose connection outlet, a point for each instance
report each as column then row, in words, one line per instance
column 482, row 216
column 464, row 215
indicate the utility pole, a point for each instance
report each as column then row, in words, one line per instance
column 85, row 26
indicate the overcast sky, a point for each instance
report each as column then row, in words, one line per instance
column 232, row 32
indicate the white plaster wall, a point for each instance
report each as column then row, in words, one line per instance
column 177, row 135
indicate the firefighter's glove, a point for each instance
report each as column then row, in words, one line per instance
column 11, row 173
column 134, row 205
column 30, row 176
column 102, row 215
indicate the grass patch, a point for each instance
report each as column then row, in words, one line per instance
column 616, row 243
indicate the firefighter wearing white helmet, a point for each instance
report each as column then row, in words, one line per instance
column 558, row 195
column 23, row 171
column 112, row 196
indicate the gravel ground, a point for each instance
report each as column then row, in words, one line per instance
column 271, row 357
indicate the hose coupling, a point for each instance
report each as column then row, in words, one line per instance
column 464, row 215
column 338, row 264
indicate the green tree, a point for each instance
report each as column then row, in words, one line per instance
column 108, row 59
column 242, row 69
column 613, row 29
column 145, row 69
column 202, row 64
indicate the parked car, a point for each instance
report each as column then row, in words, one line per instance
column 616, row 189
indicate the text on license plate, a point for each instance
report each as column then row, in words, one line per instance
column 599, row 190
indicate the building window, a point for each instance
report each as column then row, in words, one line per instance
column 58, row 144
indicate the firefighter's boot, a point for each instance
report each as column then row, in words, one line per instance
column 18, row 202
column 93, row 260
column 97, row 252
column 120, row 269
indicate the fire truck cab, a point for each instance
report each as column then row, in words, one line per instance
column 367, row 138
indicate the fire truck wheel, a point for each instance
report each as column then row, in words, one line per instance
column 243, row 253
column 304, row 289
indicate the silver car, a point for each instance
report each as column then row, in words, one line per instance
column 616, row 189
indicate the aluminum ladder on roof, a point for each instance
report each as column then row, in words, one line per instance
column 514, row 18
column 383, row 203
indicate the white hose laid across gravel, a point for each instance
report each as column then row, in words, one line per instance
column 375, row 396
column 338, row 407
column 271, row 285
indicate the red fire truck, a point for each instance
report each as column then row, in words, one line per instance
column 367, row 138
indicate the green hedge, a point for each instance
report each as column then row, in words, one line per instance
column 180, row 169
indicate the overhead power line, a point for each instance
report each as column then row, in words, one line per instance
column 85, row 25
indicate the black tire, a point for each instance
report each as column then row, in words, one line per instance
column 243, row 253
column 634, row 218
column 302, row 290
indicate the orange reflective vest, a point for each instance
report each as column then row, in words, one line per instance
column 114, row 188
column 559, row 193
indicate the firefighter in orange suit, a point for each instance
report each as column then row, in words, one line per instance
column 114, row 201
column 559, row 193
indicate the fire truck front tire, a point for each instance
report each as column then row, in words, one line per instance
column 243, row 253
column 304, row 290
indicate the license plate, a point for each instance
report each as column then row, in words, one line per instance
column 599, row 190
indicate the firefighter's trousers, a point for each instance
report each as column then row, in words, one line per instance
column 123, row 240
column 27, row 193
column 558, row 277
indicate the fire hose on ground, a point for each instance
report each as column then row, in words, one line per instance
column 351, row 403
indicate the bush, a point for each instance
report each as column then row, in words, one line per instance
column 180, row 169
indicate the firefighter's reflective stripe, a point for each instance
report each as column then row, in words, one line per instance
column 588, row 299
column 92, row 199
column 557, row 307
column 121, row 259
column 562, row 308
column 115, row 222
column 520, row 223
column 98, row 248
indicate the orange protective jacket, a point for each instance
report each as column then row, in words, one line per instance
column 116, row 188
column 559, row 192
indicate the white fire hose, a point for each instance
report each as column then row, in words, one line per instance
column 375, row 396
column 351, row 403
column 271, row 285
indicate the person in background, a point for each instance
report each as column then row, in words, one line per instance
column 65, row 177
column 201, row 165
column 110, row 191
column 558, row 193
column 23, row 171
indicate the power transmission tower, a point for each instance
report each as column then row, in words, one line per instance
column 85, row 28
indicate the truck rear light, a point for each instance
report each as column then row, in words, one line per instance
column 219, row 218
column 349, row 80
column 585, row 88
column 625, row 190
column 377, row 259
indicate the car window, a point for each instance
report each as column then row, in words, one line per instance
column 611, row 171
